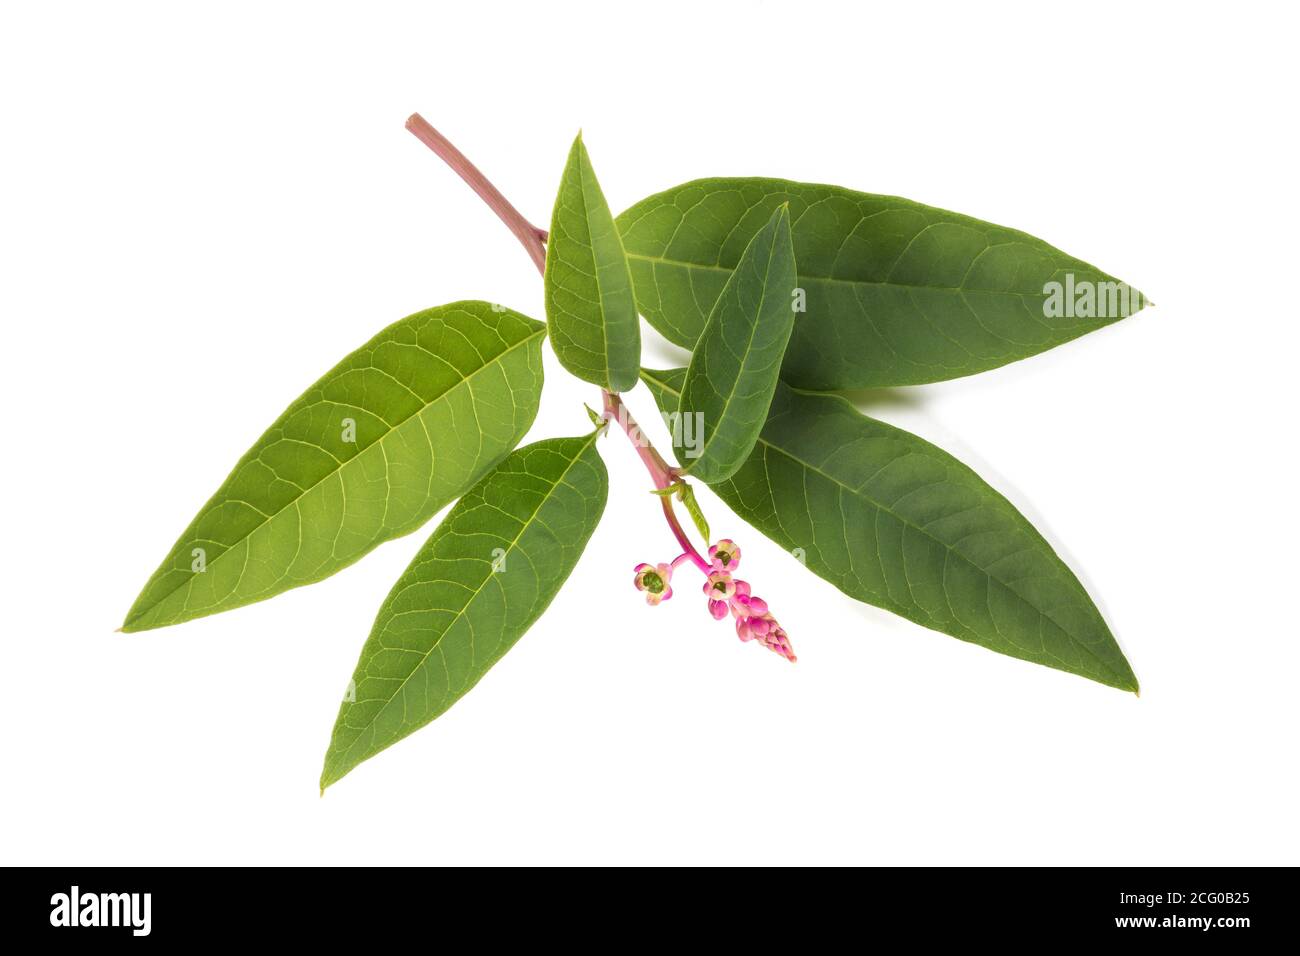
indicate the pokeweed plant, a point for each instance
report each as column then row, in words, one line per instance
column 784, row 292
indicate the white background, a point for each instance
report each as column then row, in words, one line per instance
column 203, row 208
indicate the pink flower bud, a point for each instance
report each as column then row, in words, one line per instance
column 747, row 605
column 743, row 630
column 776, row 640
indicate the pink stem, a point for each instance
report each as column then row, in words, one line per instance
column 660, row 472
column 528, row 234
column 533, row 241
column 684, row 541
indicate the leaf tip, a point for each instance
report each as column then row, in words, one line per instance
column 1129, row 683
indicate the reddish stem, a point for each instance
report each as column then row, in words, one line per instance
column 660, row 472
column 685, row 542
column 528, row 234
column 533, row 241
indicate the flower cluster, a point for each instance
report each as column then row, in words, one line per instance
column 726, row 594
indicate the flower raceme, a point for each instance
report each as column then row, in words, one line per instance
column 754, row 622
column 725, row 594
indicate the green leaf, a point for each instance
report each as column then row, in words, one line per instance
column 394, row 432
column 737, row 360
column 687, row 497
column 897, row 293
column 590, row 310
column 485, row 575
column 892, row 520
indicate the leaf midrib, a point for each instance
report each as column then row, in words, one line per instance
column 595, row 269
column 478, row 590
column 340, row 466
column 835, row 279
